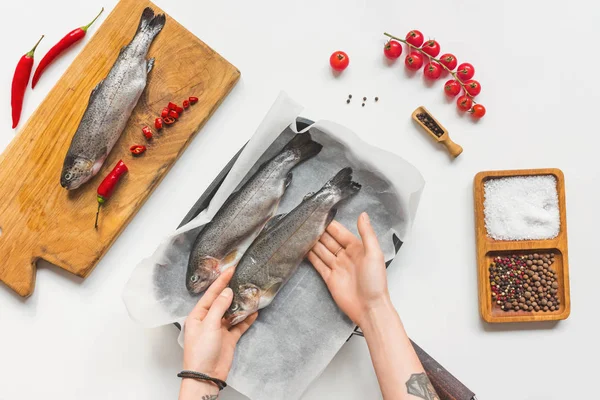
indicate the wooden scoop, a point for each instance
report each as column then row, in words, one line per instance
column 436, row 130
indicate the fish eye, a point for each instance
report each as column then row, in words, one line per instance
column 194, row 278
column 68, row 176
column 235, row 307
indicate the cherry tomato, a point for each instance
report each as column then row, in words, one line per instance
column 158, row 123
column 449, row 60
column 174, row 114
column 179, row 110
column 465, row 71
column 415, row 38
column 392, row 49
column 478, row 111
column 431, row 47
column 432, row 70
column 464, row 103
column 193, row 99
column 414, row 61
column 339, row 61
column 186, row 103
column 472, row 87
column 452, row 88
column 172, row 106
column 165, row 112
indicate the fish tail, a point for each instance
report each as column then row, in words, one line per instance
column 304, row 144
column 344, row 183
column 151, row 24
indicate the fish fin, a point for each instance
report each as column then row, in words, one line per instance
column 229, row 258
column 150, row 23
column 95, row 90
column 330, row 216
column 288, row 179
column 272, row 222
column 149, row 65
column 304, row 144
column 269, row 294
column 308, row 196
column 343, row 182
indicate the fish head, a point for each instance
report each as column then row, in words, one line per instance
column 200, row 278
column 246, row 299
column 76, row 171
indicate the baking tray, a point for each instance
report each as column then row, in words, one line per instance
column 446, row 385
column 488, row 248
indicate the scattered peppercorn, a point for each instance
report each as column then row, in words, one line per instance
column 363, row 104
column 348, row 101
column 349, row 96
column 364, row 99
column 511, row 278
column 376, row 98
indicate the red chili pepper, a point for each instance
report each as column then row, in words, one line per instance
column 137, row 149
column 147, row 132
column 69, row 40
column 193, row 99
column 19, row 84
column 168, row 120
column 107, row 187
column 158, row 123
column 179, row 110
column 172, row 106
column 186, row 103
column 173, row 114
column 165, row 112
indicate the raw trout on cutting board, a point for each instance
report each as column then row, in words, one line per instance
column 111, row 103
column 276, row 253
column 224, row 240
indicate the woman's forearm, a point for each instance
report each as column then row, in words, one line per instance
column 197, row 390
column 399, row 371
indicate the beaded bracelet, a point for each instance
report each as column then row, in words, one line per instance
column 202, row 377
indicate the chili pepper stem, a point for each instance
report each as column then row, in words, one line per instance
column 85, row 28
column 30, row 53
column 438, row 61
column 97, row 214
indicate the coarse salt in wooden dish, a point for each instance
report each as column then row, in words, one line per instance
column 488, row 248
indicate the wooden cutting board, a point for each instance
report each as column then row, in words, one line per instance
column 40, row 219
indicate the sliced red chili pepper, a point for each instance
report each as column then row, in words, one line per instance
column 168, row 120
column 193, row 99
column 165, row 112
column 172, row 106
column 147, row 132
column 186, row 103
column 137, row 149
column 179, row 110
column 158, row 123
column 173, row 114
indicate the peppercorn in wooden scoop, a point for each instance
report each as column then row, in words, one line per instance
column 436, row 130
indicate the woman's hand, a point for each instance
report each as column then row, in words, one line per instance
column 209, row 343
column 353, row 270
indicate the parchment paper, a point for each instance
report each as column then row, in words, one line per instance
column 296, row 337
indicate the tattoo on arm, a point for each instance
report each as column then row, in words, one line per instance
column 420, row 386
column 210, row 397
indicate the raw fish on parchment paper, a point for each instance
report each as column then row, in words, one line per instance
column 296, row 337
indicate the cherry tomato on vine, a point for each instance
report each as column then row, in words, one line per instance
column 472, row 87
column 392, row 49
column 478, row 111
column 449, row 60
column 464, row 103
column 452, row 88
column 414, row 61
column 415, row 38
column 465, row 71
column 339, row 61
column 431, row 47
column 432, row 70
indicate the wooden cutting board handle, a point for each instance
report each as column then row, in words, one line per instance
column 40, row 219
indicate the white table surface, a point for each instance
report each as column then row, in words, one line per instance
column 538, row 65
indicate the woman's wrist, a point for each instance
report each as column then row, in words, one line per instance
column 194, row 389
column 377, row 312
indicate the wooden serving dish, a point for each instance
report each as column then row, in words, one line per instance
column 488, row 248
